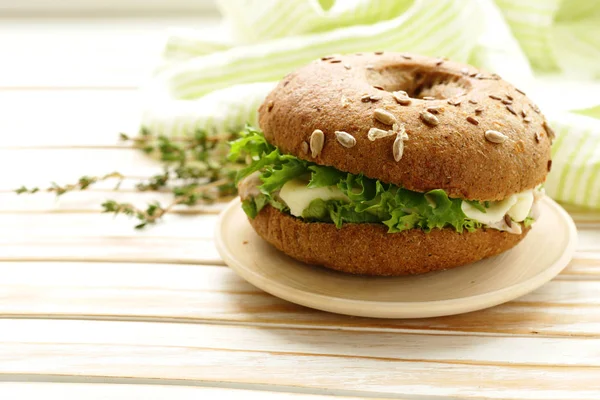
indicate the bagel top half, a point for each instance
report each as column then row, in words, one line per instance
column 467, row 132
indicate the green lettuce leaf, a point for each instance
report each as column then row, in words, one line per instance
column 337, row 212
column 528, row 221
column 324, row 176
column 276, row 176
column 370, row 200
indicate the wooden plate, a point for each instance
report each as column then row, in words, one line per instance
column 545, row 251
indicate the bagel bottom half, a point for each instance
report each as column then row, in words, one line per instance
column 369, row 250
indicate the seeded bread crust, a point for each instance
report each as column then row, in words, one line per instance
column 368, row 249
column 333, row 95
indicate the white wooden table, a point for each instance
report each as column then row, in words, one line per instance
column 91, row 309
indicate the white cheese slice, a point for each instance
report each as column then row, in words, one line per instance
column 522, row 207
column 494, row 213
column 298, row 196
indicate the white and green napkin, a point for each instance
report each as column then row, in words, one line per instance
column 549, row 48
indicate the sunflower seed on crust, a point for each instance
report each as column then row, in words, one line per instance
column 435, row 109
column 495, row 136
column 428, row 98
column 538, row 137
column 365, row 98
column 270, row 105
column 317, row 139
column 375, row 98
column 493, row 96
column 384, row 116
column 401, row 97
column 549, row 130
column 520, row 91
column 479, row 110
column 304, row 147
column 511, row 109
column 472, row 120
column 398, row 148
column 347, row 66
column 473, row 101
column 454, row 102
column 335, row 61
column 345, row 139
column 429, row 118
column 376, row 133
column 527, row 119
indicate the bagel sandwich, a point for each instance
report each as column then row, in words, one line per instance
column 393, row 164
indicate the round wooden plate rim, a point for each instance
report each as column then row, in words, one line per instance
column 390, row 309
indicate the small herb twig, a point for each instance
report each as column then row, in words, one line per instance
column 82, row 184
column 155, row 211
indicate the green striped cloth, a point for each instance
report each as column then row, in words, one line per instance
column 550, row 48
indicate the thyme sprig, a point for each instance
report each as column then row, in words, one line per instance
column 82, row 183
column 195, row 170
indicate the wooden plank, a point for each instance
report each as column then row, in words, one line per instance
column 100, row 237
column 441, row 347
column 68, row 225
column 187, row 293
column 81, row 8
column 54, row 118
column 39, row 167
column 283, row 357
column 585, row 266
column 64, row 225
column 583, row 215
column 104, row 391
column 588, row 240
column 79, row 52
column 29, row 207
column 111, row 249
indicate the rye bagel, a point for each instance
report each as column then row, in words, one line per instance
column 468, row 132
